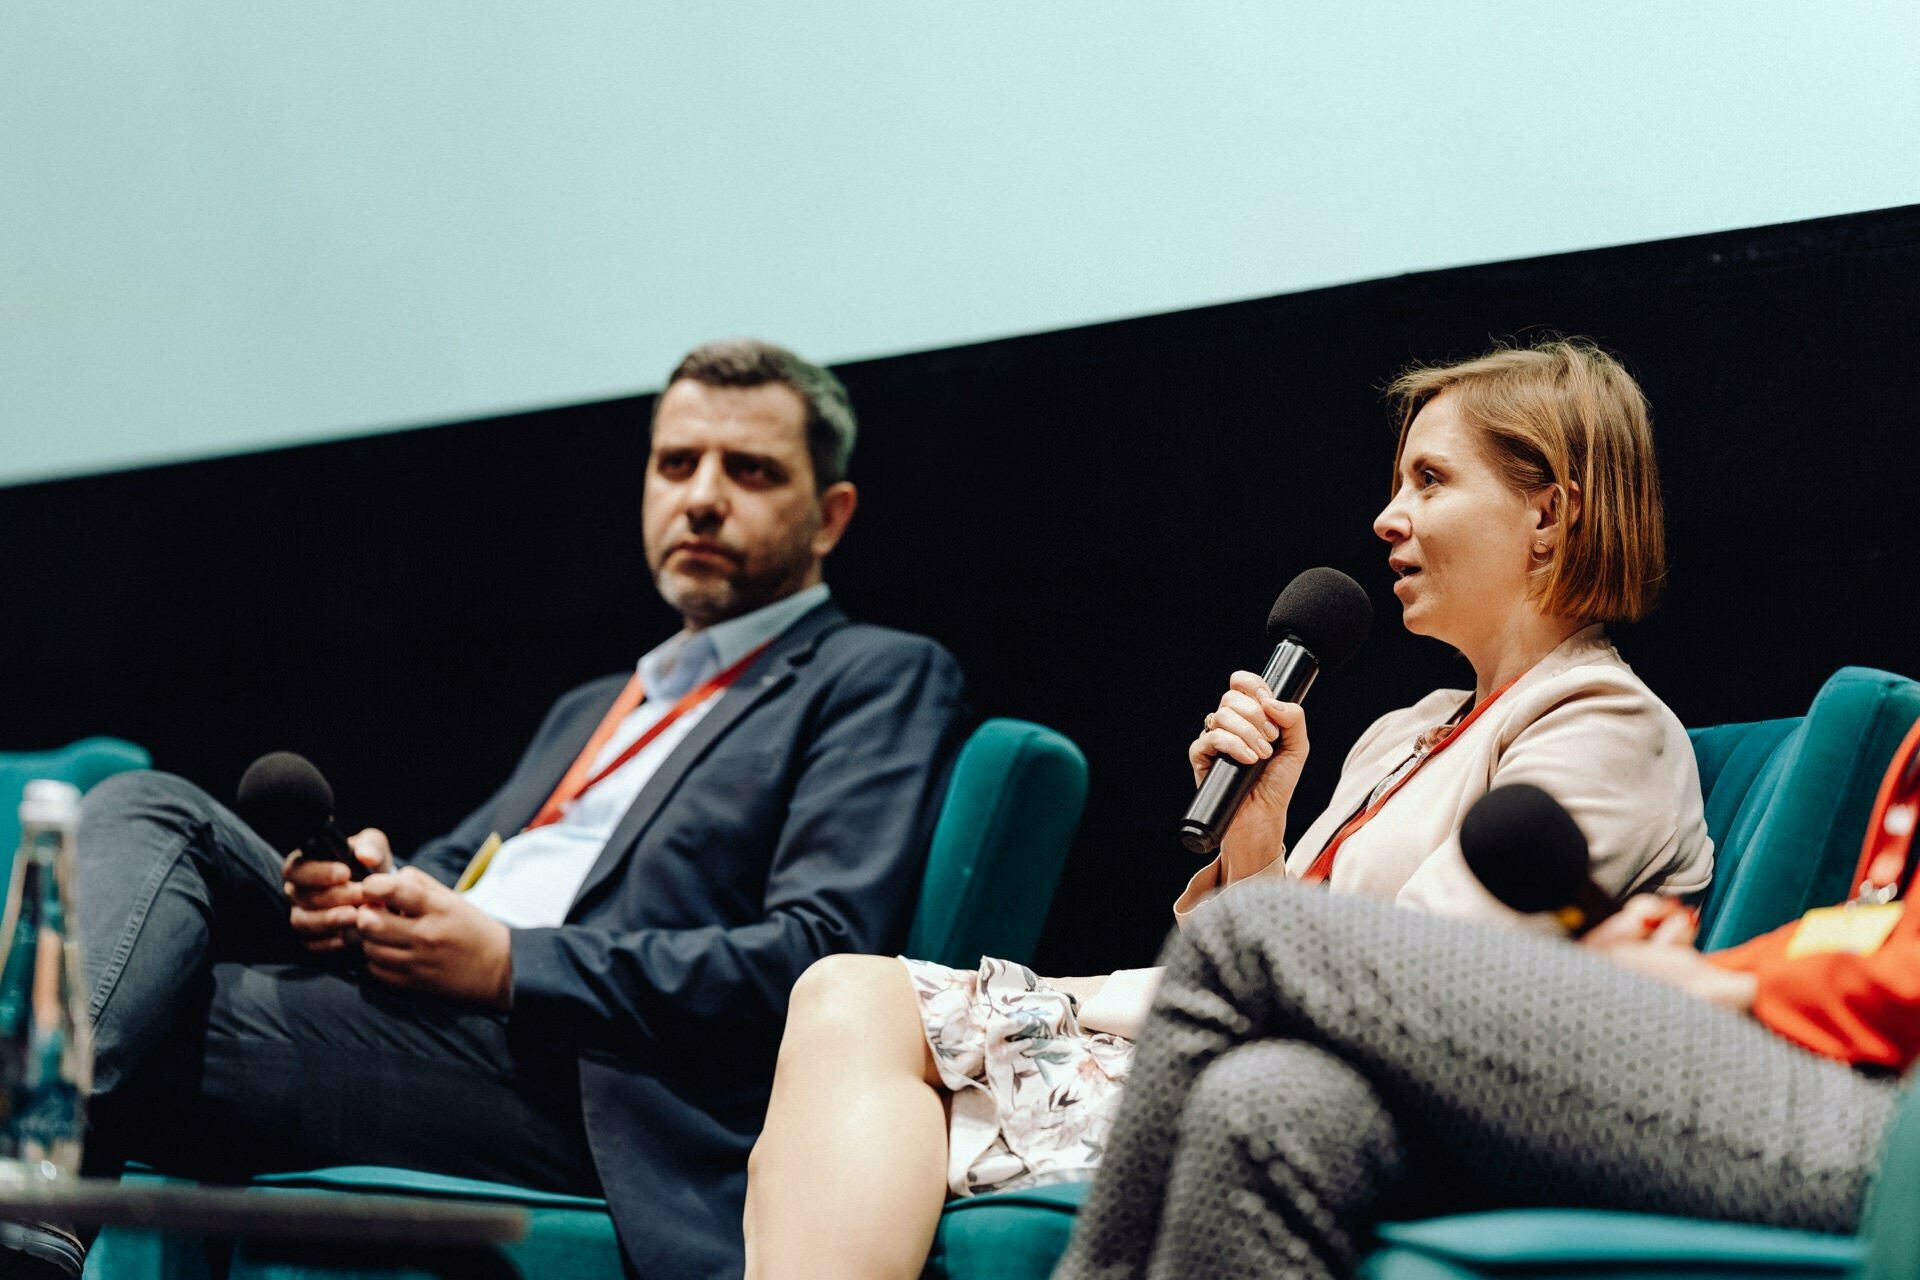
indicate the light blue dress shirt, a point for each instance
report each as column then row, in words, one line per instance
column 533, row 877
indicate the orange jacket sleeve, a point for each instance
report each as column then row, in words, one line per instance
column 1858, row 1008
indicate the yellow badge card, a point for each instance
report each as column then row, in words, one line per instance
column 1856, row 930
column 478, row 866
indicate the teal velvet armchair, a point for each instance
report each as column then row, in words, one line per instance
column 1787, row 803
column 82, row 763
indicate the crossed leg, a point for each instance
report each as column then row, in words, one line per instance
column 1314, row 1061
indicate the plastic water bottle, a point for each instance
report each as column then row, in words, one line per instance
column 46, row 1050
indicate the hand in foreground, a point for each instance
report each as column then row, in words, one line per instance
column 1654, row 936
column 1251, row 725
column 324, row 894
column 416, row 932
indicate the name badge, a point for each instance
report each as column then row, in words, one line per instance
column 1856, row 929
column 477, row 866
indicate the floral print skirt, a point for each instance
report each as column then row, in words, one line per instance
column 1034, row 1096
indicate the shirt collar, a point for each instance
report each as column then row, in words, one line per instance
column 725, row 643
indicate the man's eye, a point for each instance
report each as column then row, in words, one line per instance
column 1428, row 476
column 752, row 470
column 673, row 464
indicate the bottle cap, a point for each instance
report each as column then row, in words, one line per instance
column 46, row 803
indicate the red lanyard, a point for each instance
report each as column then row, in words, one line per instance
column 1322, row 866
column 577, row 781
column 1891, row 829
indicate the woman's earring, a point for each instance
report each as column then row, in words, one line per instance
column 1541, row 551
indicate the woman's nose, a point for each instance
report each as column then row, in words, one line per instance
column 1391, row 524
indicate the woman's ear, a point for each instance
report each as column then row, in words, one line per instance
column 1556, row 508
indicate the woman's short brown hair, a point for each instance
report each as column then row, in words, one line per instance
column 1564, row 412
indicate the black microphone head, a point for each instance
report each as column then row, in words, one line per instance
column 1327, row 612
column 1526, row 849
column 284, row 798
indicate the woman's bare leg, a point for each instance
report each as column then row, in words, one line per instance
column 850, row 1173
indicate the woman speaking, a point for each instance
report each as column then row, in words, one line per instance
column 1524, row 515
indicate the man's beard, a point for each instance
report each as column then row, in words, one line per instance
column 712, row 598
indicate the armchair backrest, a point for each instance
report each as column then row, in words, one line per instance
column 1787, row 801
column 1013, row 802
column 82, row 763
column 1891, row 1225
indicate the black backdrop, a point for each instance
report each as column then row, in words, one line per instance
column 1094, row 520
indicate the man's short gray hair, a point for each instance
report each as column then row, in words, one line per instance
column 749, row 362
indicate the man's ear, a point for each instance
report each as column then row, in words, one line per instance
column 837, row 502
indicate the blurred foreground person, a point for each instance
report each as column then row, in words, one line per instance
column 1316, row 1065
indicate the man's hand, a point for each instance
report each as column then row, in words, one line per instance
column 416, row 932
column 324, row 896
column 1654, row 936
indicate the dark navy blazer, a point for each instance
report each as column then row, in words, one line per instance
column 791, row 823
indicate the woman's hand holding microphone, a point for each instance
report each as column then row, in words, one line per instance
column 1250, row 725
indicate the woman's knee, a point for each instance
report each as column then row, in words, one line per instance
column 855, row 1004
column 1282, row 1146
column 1270, row 1098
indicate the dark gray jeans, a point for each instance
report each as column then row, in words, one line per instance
column 222, row 1048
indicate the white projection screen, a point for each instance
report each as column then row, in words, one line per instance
column 227, row 226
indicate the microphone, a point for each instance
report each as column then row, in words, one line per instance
column 1530, row 854
column 284, row 798
column 1318, row 622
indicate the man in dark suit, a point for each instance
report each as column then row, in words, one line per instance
column 594, row 1002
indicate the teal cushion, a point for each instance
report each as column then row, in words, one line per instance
column 566, row 1235
column 1793, row 839
column 129, row 1253
column 1732, row 758
column 1013, row 1235
column 1740, row 768
column 1020, row 1235
column 380, row 1180
column 1729, row 756
column 1013, row 801
column 1569, row 1244
column 82, row 763
column 1892, row 1223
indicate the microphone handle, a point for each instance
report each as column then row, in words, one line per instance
column 1290, row 672
column 329, row 844
column 1593, row 904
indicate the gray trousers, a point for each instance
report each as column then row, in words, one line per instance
column 1317, row 1063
